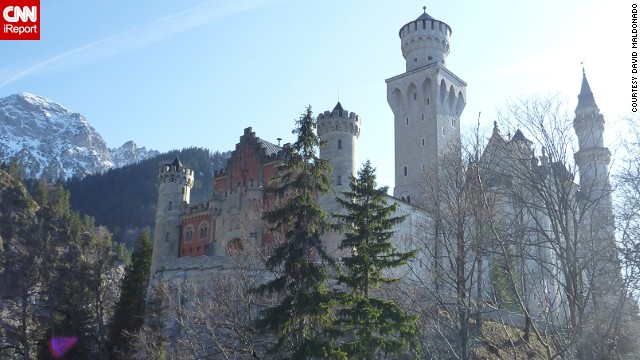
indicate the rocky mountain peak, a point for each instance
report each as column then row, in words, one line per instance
column 48, row 140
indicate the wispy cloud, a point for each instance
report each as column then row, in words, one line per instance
column 142, row 36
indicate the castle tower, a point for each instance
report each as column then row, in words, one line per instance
column 592, row 157
column 427, row 101
column 598, row 224
column 174, row 189
column 339, row 129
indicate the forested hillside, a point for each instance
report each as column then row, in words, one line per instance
column 59, row 274
column 124, row 199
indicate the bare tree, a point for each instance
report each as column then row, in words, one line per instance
column 445, row 274
column 556, row 230
column 207, row 313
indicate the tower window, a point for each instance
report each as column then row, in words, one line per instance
column 170, row 205
column 427, row 101
column 453, row 122
column 188, row 236
column 430, row 57
column 423, row 114
column 415, row 95
column 339, row 181
column 407, row 123
column 422, row 141
column 166, row 237
column 203, row 232
column 443, row 131
column 405, row 171
column 339, row 144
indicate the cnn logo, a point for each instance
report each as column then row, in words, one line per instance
column 20, row 20
column 16, row 13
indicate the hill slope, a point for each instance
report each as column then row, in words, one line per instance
column 124, row 199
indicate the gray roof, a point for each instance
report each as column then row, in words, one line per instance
column 269, row 148
column 425, row 16
column 585, row 98
column 519, row 136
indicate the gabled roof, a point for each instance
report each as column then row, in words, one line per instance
column 270, row 148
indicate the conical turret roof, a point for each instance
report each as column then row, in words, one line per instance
column 424, row 15
column 586, row 101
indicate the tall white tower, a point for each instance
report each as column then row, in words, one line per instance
column 427, row 101
column 340, row 130
column 598, row 224
column 174, row 191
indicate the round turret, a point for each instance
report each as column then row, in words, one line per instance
column 425, row 41
column 340, row 129
column 174, row 190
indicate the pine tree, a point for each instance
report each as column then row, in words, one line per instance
column 129, row 313
column 300, row 261
column 372, row 325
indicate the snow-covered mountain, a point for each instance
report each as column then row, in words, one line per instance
column 50, row 141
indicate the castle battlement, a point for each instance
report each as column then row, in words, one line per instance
column 175, row 173
column 424, row 41
column 339, row 120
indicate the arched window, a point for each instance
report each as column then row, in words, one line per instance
column 188, row 234
column 203, row 230
column 170, row 205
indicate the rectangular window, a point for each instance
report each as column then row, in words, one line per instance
column 453, row 122
column 407, row 121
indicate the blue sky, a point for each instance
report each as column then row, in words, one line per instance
column 173, row 74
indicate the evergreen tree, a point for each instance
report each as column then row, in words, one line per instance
column 129, row 313
column 372, row 325
column 299, row 263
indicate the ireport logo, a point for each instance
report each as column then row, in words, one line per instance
column 20, row 20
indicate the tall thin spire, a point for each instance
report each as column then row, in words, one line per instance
column 586, row 101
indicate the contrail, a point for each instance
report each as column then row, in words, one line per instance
column 146, row 35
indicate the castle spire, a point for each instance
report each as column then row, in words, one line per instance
column 586, row 101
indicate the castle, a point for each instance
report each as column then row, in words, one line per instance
column 427, row 101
